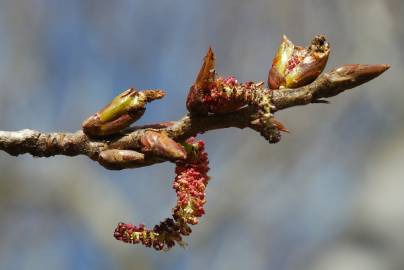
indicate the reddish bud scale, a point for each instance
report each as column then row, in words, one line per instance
column 189, row 184
column 205, row 76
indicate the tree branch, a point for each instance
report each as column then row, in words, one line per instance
column 41, row 144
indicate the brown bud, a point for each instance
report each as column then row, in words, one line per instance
column 115, row 159
column 205, row 77
column 160, row 144
column 356, row 74
column 349, row 76
column 294, row 66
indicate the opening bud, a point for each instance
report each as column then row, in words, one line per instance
column 294, row 66
column 123, row 110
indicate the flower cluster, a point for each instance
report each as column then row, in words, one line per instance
column 211, row 95
column 163, row 235
column 190, row 184
column 221, row 95
column 226, row 95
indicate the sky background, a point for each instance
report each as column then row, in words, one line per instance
column 330, row 195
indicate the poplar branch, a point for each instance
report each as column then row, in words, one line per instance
column 41, row 144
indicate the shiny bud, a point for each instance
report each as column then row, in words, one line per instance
column 116, row 159
column 349, row 76
column 356, row 74
column 161, row 145
column 294, row 66
column 123, row 110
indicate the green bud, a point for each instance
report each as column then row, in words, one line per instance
column 123, row 110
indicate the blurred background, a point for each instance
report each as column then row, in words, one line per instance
column 330, row 195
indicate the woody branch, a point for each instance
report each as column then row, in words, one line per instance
column 41, row 144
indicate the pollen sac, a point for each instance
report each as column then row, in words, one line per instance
column 123, row 110
column 294, row 66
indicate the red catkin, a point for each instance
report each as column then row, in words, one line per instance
column 190, row 184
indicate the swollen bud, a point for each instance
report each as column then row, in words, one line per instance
column 161, row 145
column 356, row 74
column 123, row 110
column 294, row 66
column 117, row 159
column 349, row 76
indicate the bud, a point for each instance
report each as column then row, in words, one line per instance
column 206, row 75
column 294, row 66
column 116, row 159
column 160, row 144
column 347, row 77
column 356, row 74
column 123, row 110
